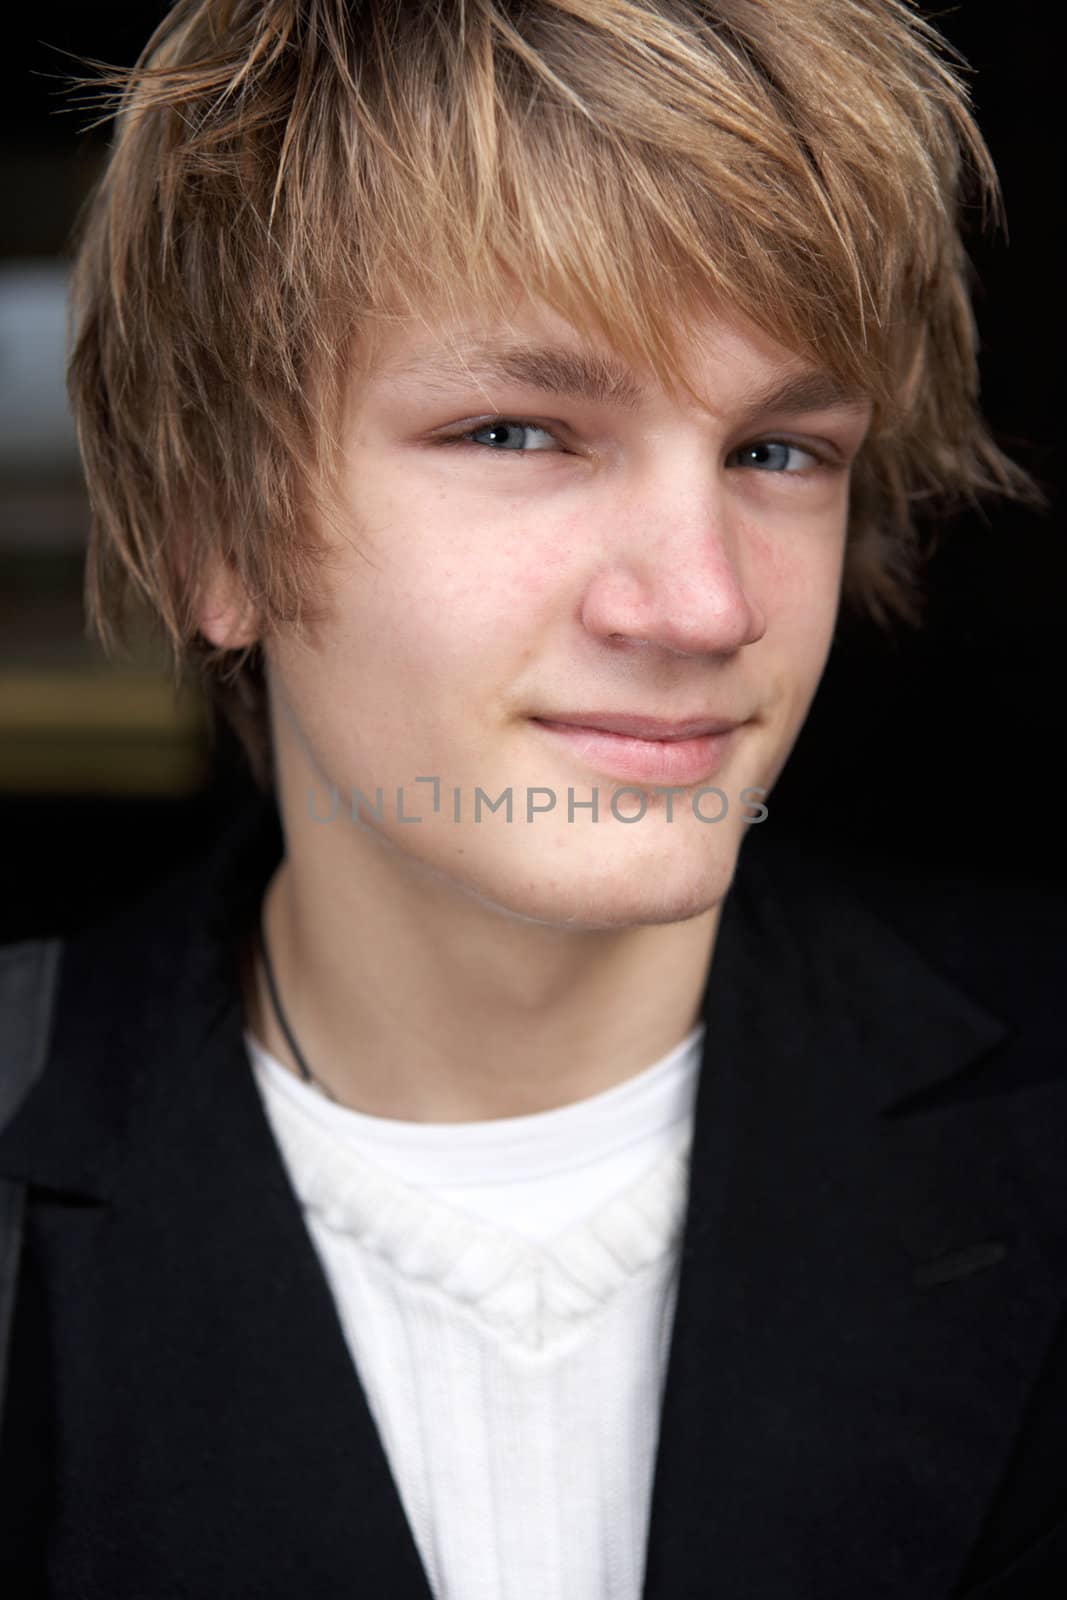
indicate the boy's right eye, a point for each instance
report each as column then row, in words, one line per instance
column 504, row 436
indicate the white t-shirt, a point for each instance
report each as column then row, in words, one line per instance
column 506, row 1289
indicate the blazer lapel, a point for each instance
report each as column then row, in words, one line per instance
column 863, row 1303
column 243, row 1455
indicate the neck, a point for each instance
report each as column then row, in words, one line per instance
column 412, row 1000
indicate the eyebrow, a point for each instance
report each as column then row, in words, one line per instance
column 605, row 380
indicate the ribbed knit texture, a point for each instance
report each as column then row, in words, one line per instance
column 515, row 1380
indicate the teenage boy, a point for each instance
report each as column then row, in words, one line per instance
column 503, row 1170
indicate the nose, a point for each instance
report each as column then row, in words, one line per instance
column 673, row 578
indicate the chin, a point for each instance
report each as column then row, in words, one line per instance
column 563, row 894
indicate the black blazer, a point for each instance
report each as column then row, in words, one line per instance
column 866, row 1396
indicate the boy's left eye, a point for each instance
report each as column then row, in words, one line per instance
column 510, row 436
column 772, row 456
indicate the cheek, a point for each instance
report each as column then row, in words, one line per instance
column 796, row 569
column 796, row 577
column 474, row 584
column 453, row 597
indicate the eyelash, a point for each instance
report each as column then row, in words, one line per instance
column 824, row 462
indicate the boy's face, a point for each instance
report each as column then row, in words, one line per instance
column 615, row 555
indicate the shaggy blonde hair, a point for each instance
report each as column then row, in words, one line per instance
column 287, row 176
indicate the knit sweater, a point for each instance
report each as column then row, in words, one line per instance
column 506, row 1289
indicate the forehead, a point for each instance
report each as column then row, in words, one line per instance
column 728, row 359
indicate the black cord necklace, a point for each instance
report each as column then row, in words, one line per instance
column 272, row 989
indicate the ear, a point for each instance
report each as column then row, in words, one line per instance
column 225, row 615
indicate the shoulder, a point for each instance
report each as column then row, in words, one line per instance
column 134, row 999
column 29, row 976
column 997, row 931
column 194, row 898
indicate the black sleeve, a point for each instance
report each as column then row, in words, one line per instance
column 26, row 1437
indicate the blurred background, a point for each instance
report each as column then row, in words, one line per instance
column 942, row 745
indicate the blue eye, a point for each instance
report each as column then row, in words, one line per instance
column 506, row 433
column 511, row 436
column 771, row 455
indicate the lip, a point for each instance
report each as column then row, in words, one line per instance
column 674, row 754
column 658, row 728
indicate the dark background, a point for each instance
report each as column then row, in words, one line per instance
column 943, row 745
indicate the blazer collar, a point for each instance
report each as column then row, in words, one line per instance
column 800, row 965
column 850, row 1365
